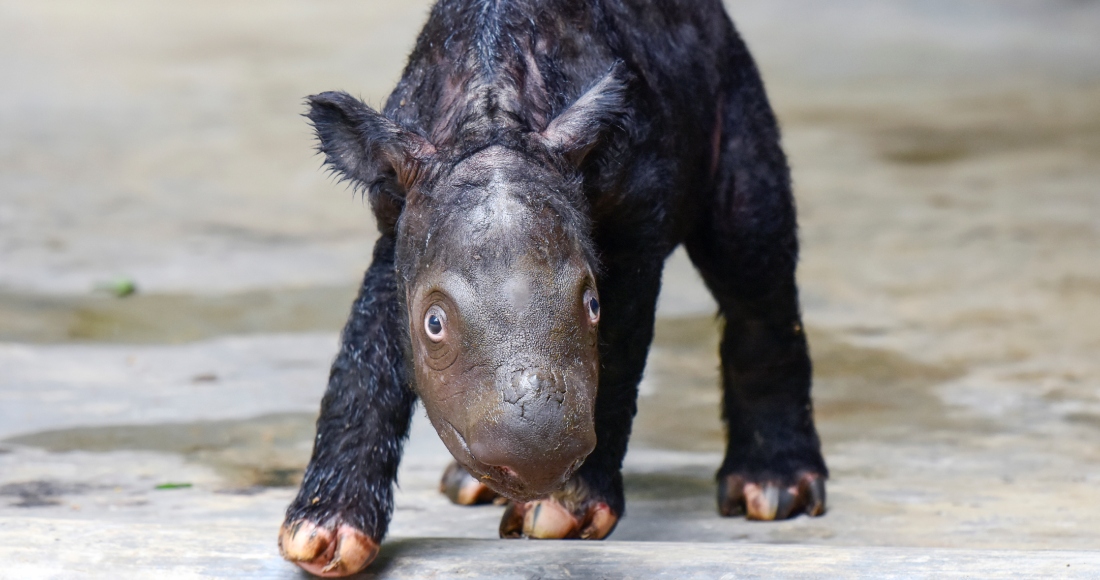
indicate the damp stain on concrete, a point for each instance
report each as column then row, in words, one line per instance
column 1003, row 121
column 679, row 398
column 170, row 318
column 858, row 391
column 865, row 392
column 668, row 486
column 1087, row 419
column 40, row 493
column 267, row 451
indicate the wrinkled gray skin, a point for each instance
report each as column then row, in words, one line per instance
column 510, row 382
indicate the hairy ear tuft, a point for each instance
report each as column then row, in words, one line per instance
column 364, row 147
column 578, row 129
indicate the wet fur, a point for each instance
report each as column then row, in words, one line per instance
column 688, row 152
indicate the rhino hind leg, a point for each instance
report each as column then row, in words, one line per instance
column 745, row 246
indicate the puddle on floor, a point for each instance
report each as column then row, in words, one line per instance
column 170, row 318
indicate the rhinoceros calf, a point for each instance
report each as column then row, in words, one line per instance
column 535, row 166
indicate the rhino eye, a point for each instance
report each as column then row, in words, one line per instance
column 433, row 323
column 593, row 305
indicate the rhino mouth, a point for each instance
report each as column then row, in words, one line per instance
column 503, row 479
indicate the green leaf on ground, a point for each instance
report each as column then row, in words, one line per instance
column 120, row 287
column 173, row 486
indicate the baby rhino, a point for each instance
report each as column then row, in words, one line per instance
column 535, row 166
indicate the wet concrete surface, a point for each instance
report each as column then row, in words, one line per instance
column 908, row 469
column 946, row 157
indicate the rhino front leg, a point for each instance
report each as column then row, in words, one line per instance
column 336, row 523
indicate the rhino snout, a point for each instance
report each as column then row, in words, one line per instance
column 535, row 437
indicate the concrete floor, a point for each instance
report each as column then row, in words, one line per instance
column 946, row 157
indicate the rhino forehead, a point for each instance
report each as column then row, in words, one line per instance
column 499, row 217
column 501, row 209
column 517, row 296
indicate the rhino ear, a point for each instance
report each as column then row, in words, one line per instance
column 371, row 151
column 578, row 129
